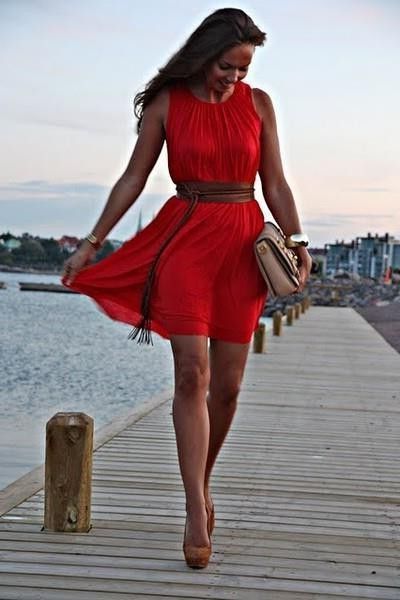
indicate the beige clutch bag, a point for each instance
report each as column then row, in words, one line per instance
column 277, row 262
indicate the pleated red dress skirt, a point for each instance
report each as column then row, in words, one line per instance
column 207, row 280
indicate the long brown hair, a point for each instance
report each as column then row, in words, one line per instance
column 220, row 31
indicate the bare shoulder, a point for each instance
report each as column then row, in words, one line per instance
column 158, row 107
column 263, row 105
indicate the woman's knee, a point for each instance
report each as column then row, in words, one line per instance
column 228, row 362
column 226, row 390
column 192, row 377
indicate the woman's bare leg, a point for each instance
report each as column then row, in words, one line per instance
column 227, row 364
column 191, row 423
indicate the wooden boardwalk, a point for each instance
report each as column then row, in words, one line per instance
column 307, row 488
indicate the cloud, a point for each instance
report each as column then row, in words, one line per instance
column 370, row 190
column 323, row 228
column 86, row 126
column 92, row 26
column 40, row 189
column 72, row 208
column 92, row 123
column 371, row 12
column 338, row 219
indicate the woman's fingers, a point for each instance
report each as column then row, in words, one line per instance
column 74, row 264
column 71, row 268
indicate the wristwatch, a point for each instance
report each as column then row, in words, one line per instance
column 297, row 239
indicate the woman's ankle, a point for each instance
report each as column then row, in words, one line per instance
column 195, row 505
column 207, row 494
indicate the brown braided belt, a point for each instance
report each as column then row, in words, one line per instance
column 215, row 191
column 194, row 191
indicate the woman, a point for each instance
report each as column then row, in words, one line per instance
column 191, row 274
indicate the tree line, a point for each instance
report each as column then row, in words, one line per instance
column 35, row 252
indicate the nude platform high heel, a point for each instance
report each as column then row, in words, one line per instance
column 197, row 557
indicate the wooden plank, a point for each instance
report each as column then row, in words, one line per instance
column 147, row 506
column 270, row 555
column 26, row 593
column 354, row 549
column 139, row 581
column 248, row 521
column 240, row 563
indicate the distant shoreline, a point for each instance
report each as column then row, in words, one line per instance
column 6, row 269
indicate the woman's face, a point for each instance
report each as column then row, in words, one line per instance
column 229, row 68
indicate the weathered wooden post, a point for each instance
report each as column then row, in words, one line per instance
column 68, row 472
column 277, row 323
column 259, row 339
column 303, row 305
column 289, row 315
column 297, row 310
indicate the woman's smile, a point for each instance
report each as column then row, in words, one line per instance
column 226, row 84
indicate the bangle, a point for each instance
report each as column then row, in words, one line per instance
column 92, row 239
column 297, row 239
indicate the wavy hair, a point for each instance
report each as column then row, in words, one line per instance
column 220, row 31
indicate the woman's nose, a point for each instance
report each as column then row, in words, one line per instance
column 233, row 77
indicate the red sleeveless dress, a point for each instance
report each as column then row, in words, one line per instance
column 207, row 281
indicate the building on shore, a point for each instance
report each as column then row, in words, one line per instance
column 10, row 243
column 68, row 243
column 369, row 256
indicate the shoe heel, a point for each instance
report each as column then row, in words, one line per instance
column 196, row 557
column 210, row 519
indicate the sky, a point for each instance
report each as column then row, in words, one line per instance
column 70, row 70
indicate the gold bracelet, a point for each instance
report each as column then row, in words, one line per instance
column 92, row 239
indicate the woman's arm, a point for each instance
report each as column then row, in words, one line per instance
column 131, row 183
column 276, row 191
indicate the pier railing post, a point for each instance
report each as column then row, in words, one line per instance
column 297, row 310
column 277, row 322
column 259, row 339
column 289, row 315
column 68, row 472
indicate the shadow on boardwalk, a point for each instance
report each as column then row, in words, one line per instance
column 306, row 490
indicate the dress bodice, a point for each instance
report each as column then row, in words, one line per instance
column 213, row 141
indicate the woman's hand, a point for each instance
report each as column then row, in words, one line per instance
column 305, row 264
column 79, row 259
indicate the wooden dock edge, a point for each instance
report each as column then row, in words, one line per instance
column 30, row 483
